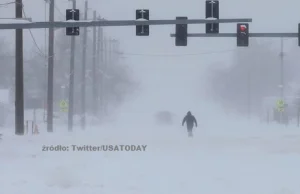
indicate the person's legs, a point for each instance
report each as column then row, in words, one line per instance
column 190, row 131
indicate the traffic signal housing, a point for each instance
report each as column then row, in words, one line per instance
column 242, row 35
column 212, row 11
column 181, row 33
column 72, row 14
column 142, row 30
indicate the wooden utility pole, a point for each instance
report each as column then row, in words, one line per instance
column 83, row 73
column 99, row 75
column 94, row 69
column 19, row 82
column 50, row 70
column 71, row 81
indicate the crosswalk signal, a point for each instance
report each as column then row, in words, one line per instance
column 212, row 12
column 142, row 30
column 242, row 35
column 181, row 33
column 72, row 14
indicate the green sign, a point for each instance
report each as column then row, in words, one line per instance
column 64, row 106
column 280, row 105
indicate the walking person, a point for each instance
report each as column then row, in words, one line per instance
column 190, row 121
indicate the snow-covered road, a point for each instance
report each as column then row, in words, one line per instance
column 211, row 162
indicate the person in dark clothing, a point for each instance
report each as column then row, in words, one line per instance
column 190, row 120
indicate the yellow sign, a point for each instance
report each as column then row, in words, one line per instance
column 280, row 105
column 64, row 106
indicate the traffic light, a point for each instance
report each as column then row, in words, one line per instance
column 142, row 30
column 212, row 11
column 298, row 34
column 181, row 33
column 242, row 35
column 72, row 14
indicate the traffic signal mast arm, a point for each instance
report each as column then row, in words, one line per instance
column 222, row 35
column 72, row 23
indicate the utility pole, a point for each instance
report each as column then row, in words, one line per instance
column 46, row 70
column 249, row 93
column 83, row 73
column 281, row 69
column 281, row 77
column 71, row 82
column 19, row 82
column 104, row 68
column 100, row 61
column 116, row 51
column 50, row 70
column 95, row 93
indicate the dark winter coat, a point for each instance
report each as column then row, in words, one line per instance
column 190, row 121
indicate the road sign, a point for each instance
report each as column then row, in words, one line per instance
column 72, row 14
column 64, row 106
column 280, row 105
column 212, row 12
column 142, row 30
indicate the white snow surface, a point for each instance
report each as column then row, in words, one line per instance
column 141, row 19
column 227, row 154
column 235, row 160
column 79, row 21
column 211, row 18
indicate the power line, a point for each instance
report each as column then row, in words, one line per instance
column 57, row 9
column 31, row 34
column 133, row 54
column 159, row 55
column 129, row 54
column 176, row 55
column 169, row 54
column 8, row 3
column 34, row 41
column 40, row 52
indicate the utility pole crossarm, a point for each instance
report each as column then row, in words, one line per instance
column 114, row 23
column 224, row 35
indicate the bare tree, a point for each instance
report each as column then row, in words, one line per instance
column 119, row 81
column 254, row 74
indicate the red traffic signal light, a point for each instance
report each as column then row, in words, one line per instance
column 243, row 28
column 242, row 35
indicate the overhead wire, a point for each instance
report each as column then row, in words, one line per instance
column 57, row 9
column 176, row 55
column 41, row 53
column 8, row 3
column 31, row 34
column 164, row 54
